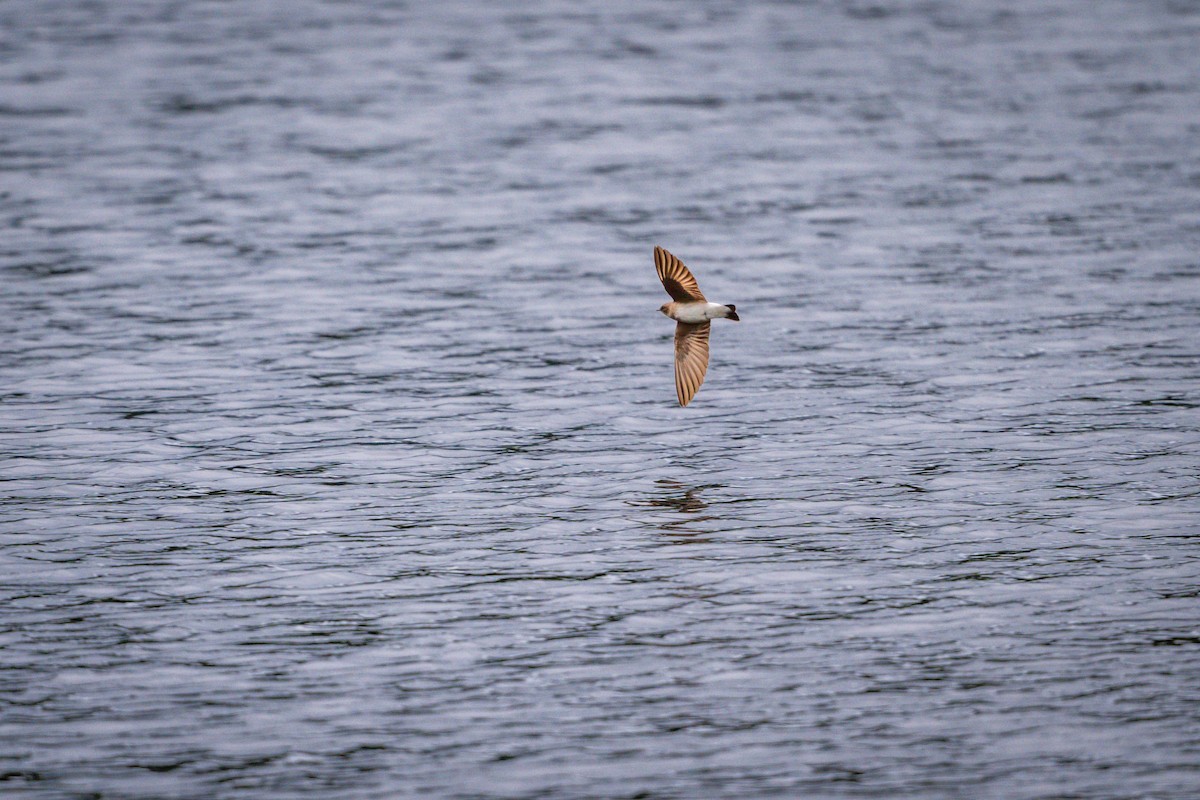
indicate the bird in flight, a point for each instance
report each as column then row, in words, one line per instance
column 693, row 315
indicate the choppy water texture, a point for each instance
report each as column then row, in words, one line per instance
column 340, row 450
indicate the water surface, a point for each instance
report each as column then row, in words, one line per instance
column 316, row 483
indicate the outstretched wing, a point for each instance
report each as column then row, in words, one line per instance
column 691, row 359
column 676, row 278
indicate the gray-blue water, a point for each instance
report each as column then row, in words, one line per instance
column 340, row 452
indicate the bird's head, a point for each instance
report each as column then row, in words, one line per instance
column 665, row 309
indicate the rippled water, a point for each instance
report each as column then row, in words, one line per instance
column 340, row 449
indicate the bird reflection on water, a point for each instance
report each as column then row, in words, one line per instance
column 683, row 499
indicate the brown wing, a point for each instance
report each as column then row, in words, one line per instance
column 691, row 359
column 676, row 278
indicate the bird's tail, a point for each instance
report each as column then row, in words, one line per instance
column 732, row 313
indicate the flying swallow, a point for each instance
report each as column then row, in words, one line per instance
column 693, row 315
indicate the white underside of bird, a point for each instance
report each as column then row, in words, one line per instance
column 695, row 313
